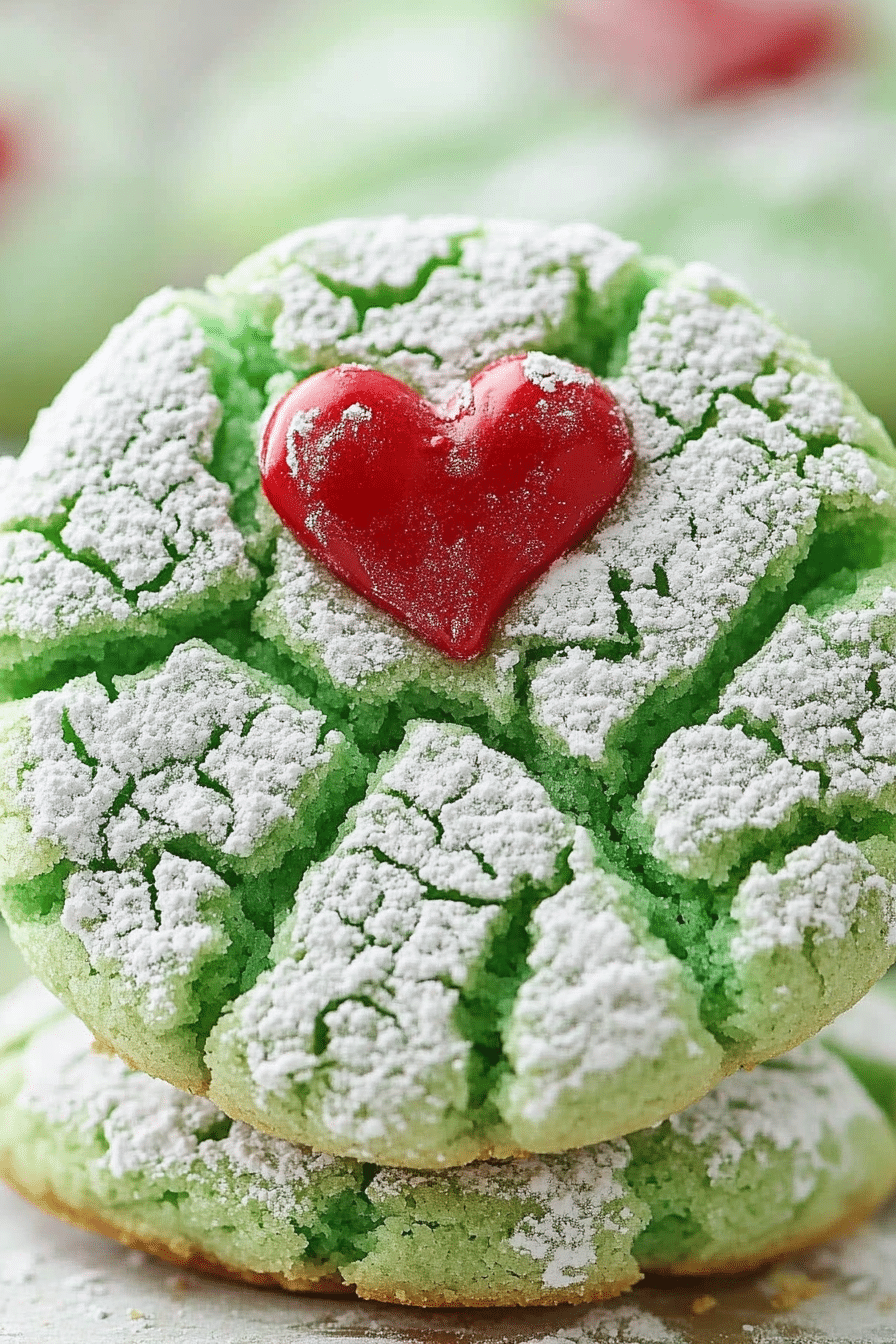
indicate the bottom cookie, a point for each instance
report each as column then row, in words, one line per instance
column 768, row 1163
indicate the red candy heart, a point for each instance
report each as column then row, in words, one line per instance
column 442, row 516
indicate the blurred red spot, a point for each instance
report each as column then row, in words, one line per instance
column 10, row 150
column 692, row 51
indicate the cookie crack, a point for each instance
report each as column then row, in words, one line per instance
column 390, row 296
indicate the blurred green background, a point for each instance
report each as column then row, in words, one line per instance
column 143, row 144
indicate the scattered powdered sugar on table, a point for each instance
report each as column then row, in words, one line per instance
column 618, row 1324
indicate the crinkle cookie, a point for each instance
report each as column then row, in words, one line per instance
column 643, row 840
column 767, row 1163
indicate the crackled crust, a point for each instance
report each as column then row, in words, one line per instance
column 182, row 855
column 109, row 1149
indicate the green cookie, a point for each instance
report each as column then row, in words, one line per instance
column 769, row 1162
column 643, row 840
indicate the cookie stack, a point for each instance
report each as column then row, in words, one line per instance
column 443, row 968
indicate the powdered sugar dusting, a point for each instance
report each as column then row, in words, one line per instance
column 162, row 1137
column 151, row 1129
column 734, row 786
column 621, row 1323
column 719, row 506
column 155, row 934
column 804, row 1099
column 546, row 371
column 313, row 616
column 723, row 501
column 747, row 449
column 300, row 427
column 561, row 1238
column 807, row 723
column 512, row 286
column 199, row 747
column 376, row 957
column 598, row 995
column 574, row 1209
column 817, row 891
column 116, row 469
column 301, row 276
column 570, row 1200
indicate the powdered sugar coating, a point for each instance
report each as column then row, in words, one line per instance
column 359, row 1014
column 721, row 507
column 512, row 286
column 577, row 1196
column 546, row 371
column 313, row 616
column 155, row 931
column 803, row 1101
column 725, row 499
column 559, row 1225
column 152, row 1130
column 735, row 786
column 817, row 892
column 457, row 933
column 600, row 995
column 199, row 748
column 116, row 469
column 807, row 723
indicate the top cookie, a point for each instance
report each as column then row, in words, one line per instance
column 642, row 840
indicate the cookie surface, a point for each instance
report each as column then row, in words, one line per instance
column 641, row 841
column 768, row 1162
